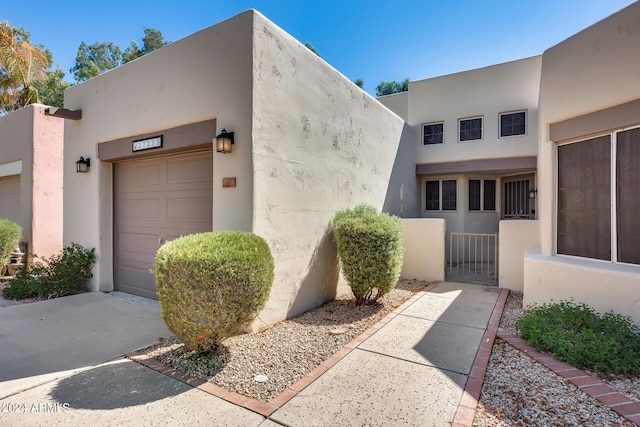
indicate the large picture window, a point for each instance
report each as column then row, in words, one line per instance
column 593, row 222
column 441, row 195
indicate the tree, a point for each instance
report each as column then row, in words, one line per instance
column 387, row 88
column 95, row 59
column 22, row 67
column 311, row 48
column 359, row 83
column 151, row 41
column 51, row 91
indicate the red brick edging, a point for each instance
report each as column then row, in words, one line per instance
column 617, row 401
column 469, row 401
column 266, row 409
column 592, row 386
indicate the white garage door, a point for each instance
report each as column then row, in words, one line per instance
column 10, row 198
column 156, row 200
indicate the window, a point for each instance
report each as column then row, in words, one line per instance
column 482, row 195
column 516, row 203
column 594, row 221
column 441, row 193
column 513, row 124
column 433, row 133
column 470, row 129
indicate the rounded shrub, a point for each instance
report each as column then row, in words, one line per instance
column 212, row 285
column 10, row 234
column 370, row 250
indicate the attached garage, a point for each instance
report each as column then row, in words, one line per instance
column 10, row 198
column 157, row 200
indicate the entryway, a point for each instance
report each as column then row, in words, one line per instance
column 472, row 258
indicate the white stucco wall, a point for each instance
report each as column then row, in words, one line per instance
column 516, row 237
column 204, row 76
column 424, row 249
column 486, row 92
column 320, row 144
column 398, row 103
column 593, row 70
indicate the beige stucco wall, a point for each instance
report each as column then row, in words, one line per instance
column 601, row 285
column 204, row 76
column 31, row 146
column 516, row 237
column 398, row 103
column 320, row 144
column 424, row 249
column 486, row 92
column 592, row 70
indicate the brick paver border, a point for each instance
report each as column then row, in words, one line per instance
column 266, row 409
column 592, row 386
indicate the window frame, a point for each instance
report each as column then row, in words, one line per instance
column 440, row 195
column 483, row 199
column 526, row 123
column 424, row 126
column 464, row 119
column 613, row 135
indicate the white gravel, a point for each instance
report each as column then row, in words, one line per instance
column 286, row 351
column 518, row 391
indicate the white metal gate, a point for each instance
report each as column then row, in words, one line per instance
column 472, row 257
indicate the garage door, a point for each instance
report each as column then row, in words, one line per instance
column 10, row 198
column 157, row 200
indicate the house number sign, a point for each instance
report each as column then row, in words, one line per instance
column 147, row 144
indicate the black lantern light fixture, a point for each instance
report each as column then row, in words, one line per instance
column 82, row 165
column 533, row 192
column 224, row 141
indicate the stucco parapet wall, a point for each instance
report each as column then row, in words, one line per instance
column 516, row 237
column 424, row 252
column 602, row 285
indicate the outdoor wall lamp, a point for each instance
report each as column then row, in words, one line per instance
column 82, row 165
column 532, row 193
column 224, row 141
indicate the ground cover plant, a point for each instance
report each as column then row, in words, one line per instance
column 212, row 285
column 370, row 250
column 10, row 234
column 604, row 343
column 62, row 274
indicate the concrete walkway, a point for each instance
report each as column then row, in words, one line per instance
column 412, row 371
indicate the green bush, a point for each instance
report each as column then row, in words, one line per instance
column 211, row 285
column 575, row 333
column 62, row 274
column 370, row 249
column 10, row 234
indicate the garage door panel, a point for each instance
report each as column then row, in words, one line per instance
column 189, row 170
column 185, row 209
column 10, row 198
column 140, row 209
column 176, row 201
column 136, row 174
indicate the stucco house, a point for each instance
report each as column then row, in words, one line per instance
column 307, row 142
column 588, row 162
column 551, row 141
column 31, row 144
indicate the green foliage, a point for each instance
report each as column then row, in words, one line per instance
column 387, row 88
column 359, row 83
column 311, row 48
column 61, row 274
column 211, row 285
column 370, row 249
column 51, row 91
column 576, row 334
column 95, row 59
column 10, row 234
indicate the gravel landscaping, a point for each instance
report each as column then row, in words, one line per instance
column 286, row 351
column 518, row 391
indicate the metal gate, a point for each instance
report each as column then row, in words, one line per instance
column 472, row 257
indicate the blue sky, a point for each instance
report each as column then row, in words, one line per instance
column 374, row 40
